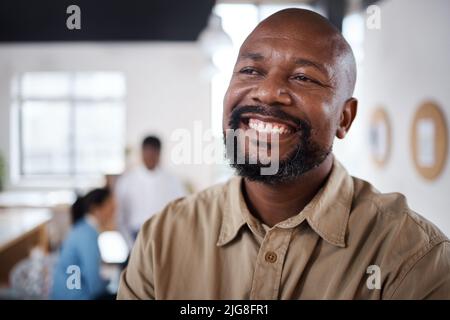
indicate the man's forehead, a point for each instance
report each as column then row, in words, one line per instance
column 293, row 21
column 293, row 49
column 285, row 43
column 286, row 32
column 301, row 28
column 288, row 37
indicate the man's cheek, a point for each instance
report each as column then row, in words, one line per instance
column 322, row 132
column 237, row 91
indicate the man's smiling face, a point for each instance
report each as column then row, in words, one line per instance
column 291, row 78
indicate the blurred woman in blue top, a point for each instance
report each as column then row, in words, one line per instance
column 80, row 254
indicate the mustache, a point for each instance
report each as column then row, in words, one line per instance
column 274, row 112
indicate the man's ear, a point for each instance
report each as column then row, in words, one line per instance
column 347, row 116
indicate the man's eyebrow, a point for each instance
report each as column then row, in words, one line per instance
column 308, row 63
column 299, row 61
column 252, row 56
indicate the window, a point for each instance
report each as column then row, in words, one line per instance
column 70, row 124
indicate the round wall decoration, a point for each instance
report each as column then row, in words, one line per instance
column 380, row 136
column 429, row 140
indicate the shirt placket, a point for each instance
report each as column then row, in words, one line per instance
column 269, row 264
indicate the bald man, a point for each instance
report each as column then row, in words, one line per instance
column 307, row 230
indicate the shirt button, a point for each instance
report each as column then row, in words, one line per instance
column 271, row 257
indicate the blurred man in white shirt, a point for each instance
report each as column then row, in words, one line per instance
column 145, row 190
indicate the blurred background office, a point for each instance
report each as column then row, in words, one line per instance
column 77, row 98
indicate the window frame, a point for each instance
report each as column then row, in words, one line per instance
column 50, row 178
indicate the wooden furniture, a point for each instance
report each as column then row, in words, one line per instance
column 20, row 231
column 58, row 202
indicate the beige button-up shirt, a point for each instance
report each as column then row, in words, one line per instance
column 349, row 242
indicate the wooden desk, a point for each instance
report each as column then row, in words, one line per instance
column 58, row 202
column 20, row 231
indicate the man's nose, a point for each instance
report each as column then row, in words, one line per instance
column 272, row 91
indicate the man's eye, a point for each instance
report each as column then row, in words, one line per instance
column 249, row 71
column 304, row 78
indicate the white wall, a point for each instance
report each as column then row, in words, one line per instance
column 167, row 88
column 406, row 62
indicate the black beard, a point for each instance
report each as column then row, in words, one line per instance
column 306, row 155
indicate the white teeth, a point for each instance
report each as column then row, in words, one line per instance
column 261, row 126
column 267, row 127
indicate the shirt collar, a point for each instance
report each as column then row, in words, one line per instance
column 92, row 221
column 327, row 213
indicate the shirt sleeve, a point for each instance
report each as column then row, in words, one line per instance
column 429, row 276
column 136, row 281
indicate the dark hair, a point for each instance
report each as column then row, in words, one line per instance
column 92, row 199
column 152, row 141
